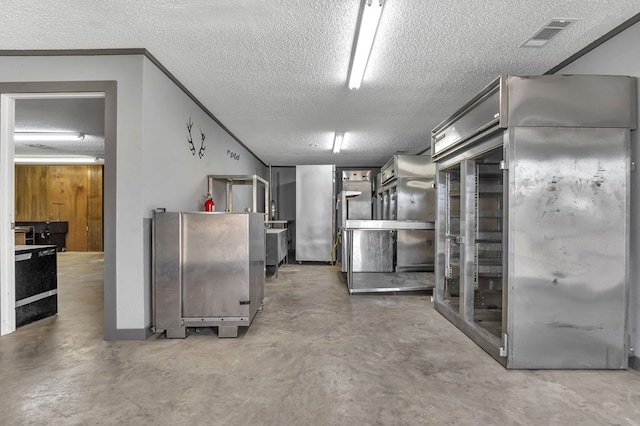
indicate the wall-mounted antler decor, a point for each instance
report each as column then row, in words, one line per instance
column 190, row 138
column 202, row 147
column 192, row 146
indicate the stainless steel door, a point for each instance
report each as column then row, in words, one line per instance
column 568, row 236
column 215, row 274
column 315, row 212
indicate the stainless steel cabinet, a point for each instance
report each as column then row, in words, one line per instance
column 208, row 270
column 315, row 212
column 533, row 217
column 277, row 247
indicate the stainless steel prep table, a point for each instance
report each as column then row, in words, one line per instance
column 370, row 258
column 277, row 247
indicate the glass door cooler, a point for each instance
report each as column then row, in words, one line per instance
column 533, row 217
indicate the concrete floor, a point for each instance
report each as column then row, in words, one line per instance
column 314, row 356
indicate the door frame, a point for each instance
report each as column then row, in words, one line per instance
column 9, row 92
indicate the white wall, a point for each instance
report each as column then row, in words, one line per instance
column 172, row 177
column 127, row 71
column 154, row 166
column 621, row 56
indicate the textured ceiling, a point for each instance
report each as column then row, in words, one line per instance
column 275, row 72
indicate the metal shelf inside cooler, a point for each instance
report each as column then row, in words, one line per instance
column 488, row 236
column 488, row 214
column 493, row 188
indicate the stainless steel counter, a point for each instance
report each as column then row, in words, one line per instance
column 370, row 257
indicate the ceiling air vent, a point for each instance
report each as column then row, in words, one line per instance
column 546, row 33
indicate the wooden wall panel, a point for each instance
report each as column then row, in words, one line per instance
column 68, row 188
column 77, row 189
column 95, row 208
column 31, row 193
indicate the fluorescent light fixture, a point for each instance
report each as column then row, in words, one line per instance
column 80, row 159
column 366, row 33
column 47, row 136
column 337, row 142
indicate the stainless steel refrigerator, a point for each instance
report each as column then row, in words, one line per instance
column 533, row 219
column 315, row 212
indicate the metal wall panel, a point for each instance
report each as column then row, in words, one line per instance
column 315, row 213
column 216, row 268
column 167, row 297
column 568, row 219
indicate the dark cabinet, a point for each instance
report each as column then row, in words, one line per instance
column 36, row 283
column 45, row 233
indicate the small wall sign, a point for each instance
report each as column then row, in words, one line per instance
column 233, row 155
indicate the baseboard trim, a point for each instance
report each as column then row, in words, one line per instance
column 131, row 333
column 634, row 362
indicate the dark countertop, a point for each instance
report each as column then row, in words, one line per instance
column 23, row 248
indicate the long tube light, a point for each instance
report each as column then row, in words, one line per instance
column 25, row 159
column 47, row 136
column 366, row 34
column 337, row 142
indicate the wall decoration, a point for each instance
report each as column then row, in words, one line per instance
column 233, row 155
column 192, row 146
column 190, row 138
column 202, row 147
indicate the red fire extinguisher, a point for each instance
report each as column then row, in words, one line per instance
column 209, row 205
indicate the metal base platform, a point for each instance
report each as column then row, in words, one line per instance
column 380, row 282
column 224, row 331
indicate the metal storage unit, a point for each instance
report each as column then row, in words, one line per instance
column 259, row 199
column 208, row 270
column 359, row 187
column 395, row 252
column 353, row 203
column 277, row 247
column 315, row 212
column 533, row 219
column 408, row 193
column 369, row 259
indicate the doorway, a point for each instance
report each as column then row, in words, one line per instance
column 9, row 94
